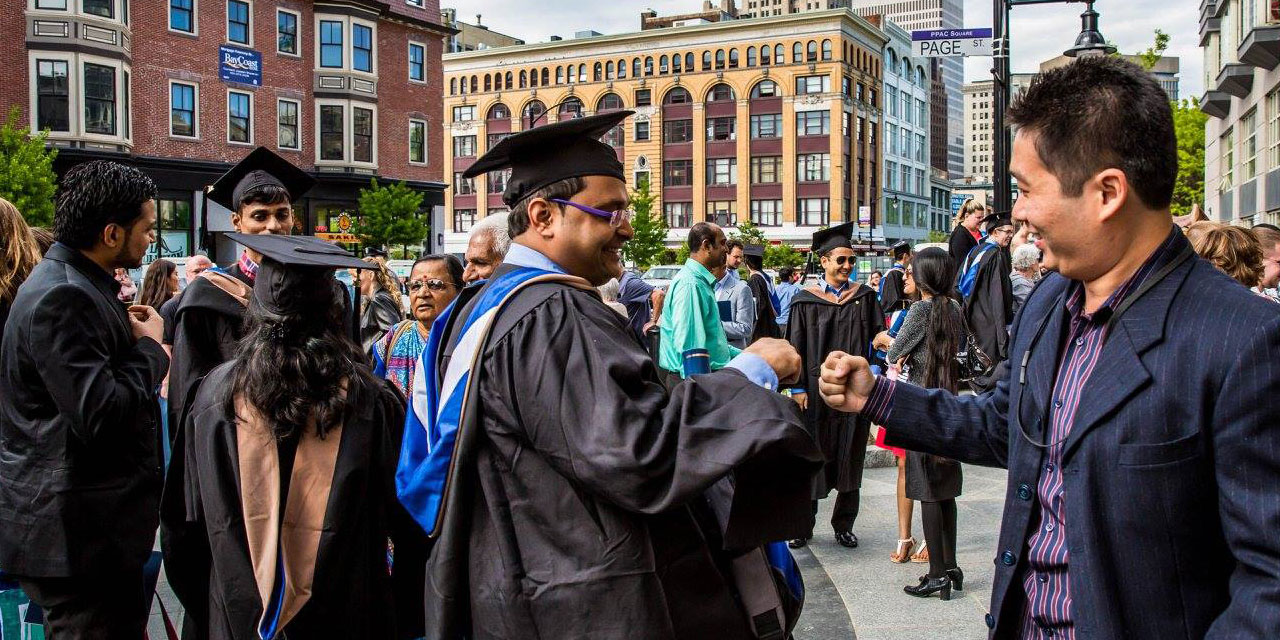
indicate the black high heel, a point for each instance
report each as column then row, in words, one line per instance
column 929, row 586
column 957, row 578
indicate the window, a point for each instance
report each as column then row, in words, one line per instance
column 173, row 229
column 813, row 167
column 570, row 108
column 679, row 215
column 239, row 117
column 906, row 178
column 920, row 147
column 464, row 113
column 287, row 32
column 766, row 213
column 417, row 62
column 677, row 131
column 722, row 128
column 813, row 123
column 533, row 111
column 99, row 99
column 663, row 66
column 332, row 132
column 331, row 44
column 893, row 139
column 720, row 92
column 499, row 111
column 765, row 89
column 676, row 65
column 60, row 5
column 362, row 128
column 811, row 52
column 644, row 97
column 648, row 66
column 766, row 55
column 463, row 220
column 463, row 186
column 906, row 108
column 362, row 48
column 812, row 84
column 182, row 15
column 464, row 146
column 52, row 95
column 238, row 21
column 1249, row 150
column 797, row 53
column 826, row 50
column 614, row 137
column 492, row 139
column 891, row 175
column 642, row 130
column 891, row 97
column 677, row 173
column 722, row 171
column 813, row 212
column 497, row 180
column 610, row 102
column 100, row 8
column 182, row 110
column 706, row 60
column 920, row 188
column 922, row 116
column 751, row 56
column 766, row 125
column 733, row 58
column 1273, row 129
column 288, row 125
column 766, row 169
column 677, row 96
column 723, row 212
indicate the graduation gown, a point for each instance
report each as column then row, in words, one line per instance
column 766, row 320
column 578, row 508
column 339, row 552
column 818, row 326
column 989, row 307
column 207, row 327
column 892, row 297
column 959, row 246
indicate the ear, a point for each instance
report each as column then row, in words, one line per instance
column 1110, row 189
column 112, row 235
column 542, row 218
column 235, row 220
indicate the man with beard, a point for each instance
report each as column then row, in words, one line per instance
column 835, row 314
column 568, row 492
column 988, row 290
column 80, row 453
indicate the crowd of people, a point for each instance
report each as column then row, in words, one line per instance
column 534, row 443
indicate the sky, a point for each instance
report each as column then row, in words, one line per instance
column 1040, row 32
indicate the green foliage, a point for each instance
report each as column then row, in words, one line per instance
column 389, row 215
column 782, row 255
column 1188, row 124
column 26, row 171
column 648, row 246
column 938, row 236
column 748, row 233
column 682, row 254
column 1152, row 55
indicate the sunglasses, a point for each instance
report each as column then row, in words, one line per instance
column 434, row 284
column 842, row 260
column 616, row 218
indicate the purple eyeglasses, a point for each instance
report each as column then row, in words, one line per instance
column 616, row 218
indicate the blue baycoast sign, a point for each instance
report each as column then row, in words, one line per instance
column 240, row 65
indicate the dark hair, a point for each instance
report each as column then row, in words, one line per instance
column 877, row 272
column 293, row 369
column 785, row 273
column 734, row 244
column 699, row 233
column 934, row 273
column 1101, row 113
column 518, row 221
column 900, row 250
column 451, row 264
column 755, row 262
column 1267, row 226
column 267, row 194
column 96, row 194
column 155, row 286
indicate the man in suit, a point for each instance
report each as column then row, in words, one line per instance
column 1137, row 412
column 80, row 456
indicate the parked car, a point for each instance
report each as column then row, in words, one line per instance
column 660, row 276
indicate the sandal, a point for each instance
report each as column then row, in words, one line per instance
column 900, row 555
column 921, row 555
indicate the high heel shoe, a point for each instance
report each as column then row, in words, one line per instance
column 901, row 555
column 929, row 586
column 957, row 578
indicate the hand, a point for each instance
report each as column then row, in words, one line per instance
column 846, row 382
column 882, row 341
column 146, row 323
column 780, row 356
column 801, row 399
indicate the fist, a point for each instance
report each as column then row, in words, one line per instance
column 846, row 382
column 146, row 323
column 781, row 357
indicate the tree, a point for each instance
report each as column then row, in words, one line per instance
column 782, row 255
column 26, row 171
column 1152, row 55
column 648, row 246
column 748, row 233
column 1188, row 125
column 389, row 215
column 938, row 236
column 682, row 253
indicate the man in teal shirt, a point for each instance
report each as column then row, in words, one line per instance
column 692, row 340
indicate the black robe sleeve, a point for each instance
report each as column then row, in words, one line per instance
column 959, row 246
column 989, row 309
column 766, row 322
column 892, row 297
column 202, row 340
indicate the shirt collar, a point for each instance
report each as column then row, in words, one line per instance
column 728, row 280
column 522, row 256
column 1162, row 255
column 701, row 272
column 248, row 267
column 826, row 286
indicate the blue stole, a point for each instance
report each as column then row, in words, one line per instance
column 972, row 262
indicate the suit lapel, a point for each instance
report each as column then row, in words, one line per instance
column 1042, row 369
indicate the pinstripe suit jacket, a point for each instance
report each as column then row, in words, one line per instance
column 1172, row 467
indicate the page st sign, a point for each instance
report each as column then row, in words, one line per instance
column 946, row 43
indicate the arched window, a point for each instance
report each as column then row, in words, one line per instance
column 570, row 108
column 533, row 111
column 812, row 51
column 751, row 56
column 635, row 67
column 664, row 66
column 719, row 59
column 546, row 76
column 797, row 53
column 733, row 58
column 508, row 82
column 622, row 69
column 766, row 55
column 676, row 67
column 677, row 95
column 475, row 84
column 923, row 75
column 720, row 92
column 582, row 72
column 648, row 65
column 826, row 50
column 453, row 86
column 597, row 72
column 488, row 82
column 609, row 102
column 559, row 75
column 608, row 70
column 499, row 111
column 706, row 60
column 893, row 59
column 778, row 58
column 524, row 79
column 906, row 68
column 765, row 89
column 688, row 62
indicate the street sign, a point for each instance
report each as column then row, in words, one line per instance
column 240, row 65
column 948, row 43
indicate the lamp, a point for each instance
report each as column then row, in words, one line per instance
column 1090, row 42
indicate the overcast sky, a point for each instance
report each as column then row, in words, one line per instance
column 1039, row 32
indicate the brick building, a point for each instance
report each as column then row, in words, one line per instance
column 773, row 119
column 346, row 89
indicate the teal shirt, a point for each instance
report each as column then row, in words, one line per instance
column 692, row 339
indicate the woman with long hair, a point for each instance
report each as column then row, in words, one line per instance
column 1234, row 250
column 935, row 348
column 434, row 281
column 159, row 285
column 380, row 302
column 290, row 525
column 903, row 552
column 20, row 253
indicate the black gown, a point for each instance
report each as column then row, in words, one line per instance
column 959, row 246
column 766, row 321
column 892, row 295
column 207, row 327
column 989, row 307
column 817, row 327
column 353, row 593
column 578, row 510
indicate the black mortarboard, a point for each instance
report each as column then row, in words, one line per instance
column 296, row 274
column 900, row 248
column 375, row 252
column 754, row 250
column 996, row 220
column 835, row 237
column 260, row 167
column 554, row 152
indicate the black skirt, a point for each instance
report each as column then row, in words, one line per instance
column 932, row 478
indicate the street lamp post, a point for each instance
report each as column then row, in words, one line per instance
column 1089, row 43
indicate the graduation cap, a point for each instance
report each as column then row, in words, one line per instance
column 296, row 275
column 554, row 152
column 261, row 167
column 996, row 220
column 375, row 252
column 900, row 248
column 826, row 240
column 753, row 250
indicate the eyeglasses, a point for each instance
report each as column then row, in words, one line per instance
column 842, row 260
column 434, row 284
column 616, row 218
